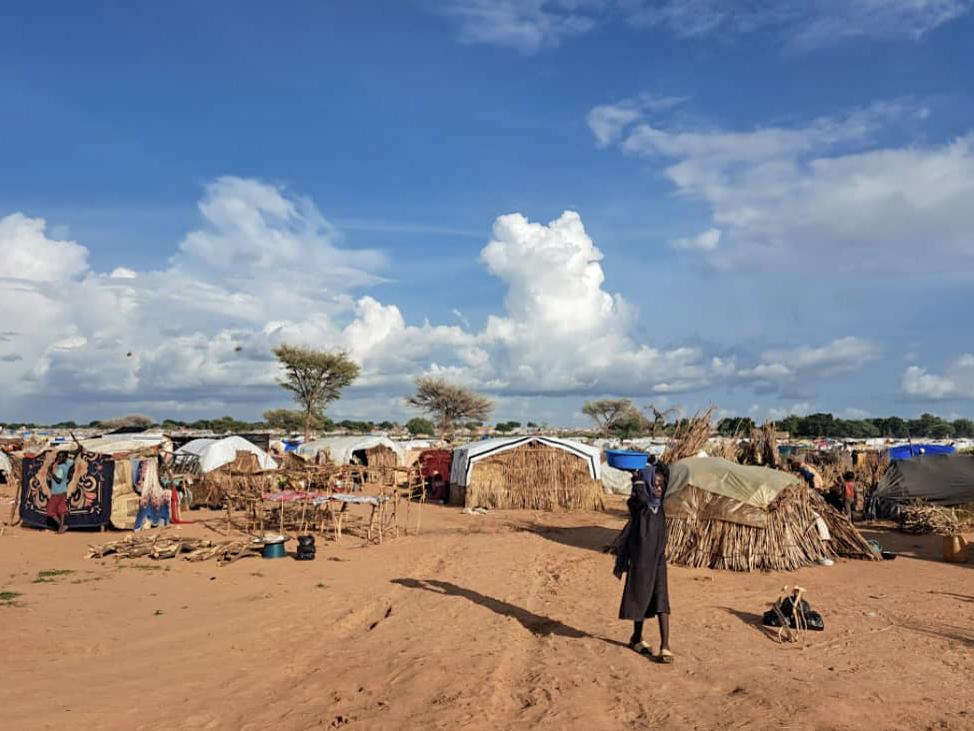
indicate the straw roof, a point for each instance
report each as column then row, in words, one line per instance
column 466, row 456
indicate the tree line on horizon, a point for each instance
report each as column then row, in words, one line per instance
column 928, row 426
column 316, row 378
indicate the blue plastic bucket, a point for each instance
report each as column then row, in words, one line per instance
column 273, row 548
column 623, row 459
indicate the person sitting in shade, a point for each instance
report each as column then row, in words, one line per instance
column 642, row 557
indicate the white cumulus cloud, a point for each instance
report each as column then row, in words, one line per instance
column 823, row 193
column 956, row 382
column 265, row 267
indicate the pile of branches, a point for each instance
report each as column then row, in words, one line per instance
column 163, row 546
column 689, row 437
column 922, row 519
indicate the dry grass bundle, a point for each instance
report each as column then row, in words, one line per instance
column 788, row 541
column 690, row 436
column 380, row 456
column 728, row 449
column 762, row 448
column 164, row 546
column 869, row 468
column 919, row 519
column 534, row 478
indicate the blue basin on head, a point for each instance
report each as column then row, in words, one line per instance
column 623, row 459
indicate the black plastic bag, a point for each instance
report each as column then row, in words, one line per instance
column 812, row 619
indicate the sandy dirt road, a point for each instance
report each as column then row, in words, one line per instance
column 504, row 621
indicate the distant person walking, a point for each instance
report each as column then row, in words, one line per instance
column 642, row 557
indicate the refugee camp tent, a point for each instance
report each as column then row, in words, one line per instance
column 939, row 479
column 725, row 515
column 905, row 451
column 216, row 453
column 534, row 472
column 371, row 451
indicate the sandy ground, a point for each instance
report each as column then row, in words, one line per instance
column 480, row 622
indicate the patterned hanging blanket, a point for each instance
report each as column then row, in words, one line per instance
column 89, row 493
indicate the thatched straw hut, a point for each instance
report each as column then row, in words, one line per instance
column 724, row 515
column 537, row 473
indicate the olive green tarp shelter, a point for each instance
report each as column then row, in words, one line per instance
column 710, row 488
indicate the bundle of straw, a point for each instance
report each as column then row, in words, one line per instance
column 689, row 437
column 536, row 478
column 725, row 449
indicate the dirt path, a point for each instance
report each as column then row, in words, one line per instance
column 481, row 622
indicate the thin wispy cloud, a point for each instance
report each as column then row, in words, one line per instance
column 532, row 25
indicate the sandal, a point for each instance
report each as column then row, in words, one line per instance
column 642, row 648
column 665, row 657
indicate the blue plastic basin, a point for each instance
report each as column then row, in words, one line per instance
column 273, row 549
column 623, row 459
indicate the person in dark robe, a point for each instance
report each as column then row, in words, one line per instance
column 642, row 558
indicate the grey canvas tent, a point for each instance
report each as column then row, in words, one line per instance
column 939, row 479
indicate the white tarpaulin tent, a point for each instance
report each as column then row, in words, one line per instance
column 215, row 453
column 342, row 449
column 5, row 465
column 466, row 456
column 617, row 482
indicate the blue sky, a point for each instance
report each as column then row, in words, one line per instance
column 775, row 207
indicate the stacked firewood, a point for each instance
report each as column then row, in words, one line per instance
column 163, row 546
column 921, row 519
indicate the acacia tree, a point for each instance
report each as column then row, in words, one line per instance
column 659, row 417
column 449, row 402
column 292, row 420
column 605, row 412
column 315, row 378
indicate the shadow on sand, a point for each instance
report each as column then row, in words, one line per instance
column 752, row 620
column 536, row 624
column 591, row 537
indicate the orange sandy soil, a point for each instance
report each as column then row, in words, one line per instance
column 480, row 622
